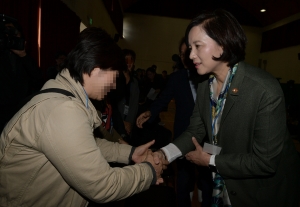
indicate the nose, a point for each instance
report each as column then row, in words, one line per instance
column 192, row 54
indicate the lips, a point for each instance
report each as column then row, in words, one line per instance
column 196, row 64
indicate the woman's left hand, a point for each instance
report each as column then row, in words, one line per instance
column 199, row 157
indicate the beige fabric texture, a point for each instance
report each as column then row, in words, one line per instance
column 49, row 156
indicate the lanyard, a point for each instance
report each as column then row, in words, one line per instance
column 214, row 121
column 218, row 114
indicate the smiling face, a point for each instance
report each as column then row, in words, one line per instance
column 203, row 49
column 99, row 83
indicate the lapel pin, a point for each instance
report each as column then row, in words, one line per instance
column 235, row 90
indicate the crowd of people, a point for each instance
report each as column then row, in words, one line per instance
column 91, row 134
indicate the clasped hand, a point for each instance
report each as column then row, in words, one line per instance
column 144, row 154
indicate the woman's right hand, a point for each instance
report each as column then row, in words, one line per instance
column 157, row 167
column 143, row 118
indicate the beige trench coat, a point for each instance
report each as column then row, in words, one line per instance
column 49, row 156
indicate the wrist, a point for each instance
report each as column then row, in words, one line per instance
column 131, row 161
column 163, row 154
column 153, row 172
column 208, row 160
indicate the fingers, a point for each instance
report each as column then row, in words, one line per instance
column 147, row 145
column 139, row 121
column 157, row 167
column 156, row 158
column 159, row 181
column 148, row 152
column 188, row 157
column 165, row 162
column 159, row 158
column 195, row 142
column 164, row 167
column 143, row 118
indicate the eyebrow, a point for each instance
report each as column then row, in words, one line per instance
column 196, row 41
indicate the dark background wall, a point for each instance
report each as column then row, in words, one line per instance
column 59, row 27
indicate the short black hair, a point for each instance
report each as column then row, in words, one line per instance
column 95, row 48
column 222, row 27
column 151, row 69
column 129, row 52
column 10, row 20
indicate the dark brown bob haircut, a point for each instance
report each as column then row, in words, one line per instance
column 223, row 28
column 95, row 48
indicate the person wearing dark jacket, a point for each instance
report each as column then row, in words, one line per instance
column 241, row 109
column 19, row 74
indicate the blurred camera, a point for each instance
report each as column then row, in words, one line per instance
column 9, row 34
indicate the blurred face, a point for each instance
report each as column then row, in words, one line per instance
column 150, row 75
column 60, row 59
column 13, row 30
column 99, row 83
column 203, row 48
column 129, row 61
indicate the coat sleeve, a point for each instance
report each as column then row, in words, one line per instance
column 113, row 151
column 69, row 144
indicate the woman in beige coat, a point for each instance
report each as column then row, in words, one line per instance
column 48, row 154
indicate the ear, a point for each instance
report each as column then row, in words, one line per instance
column 95, row 71
column 221, row 50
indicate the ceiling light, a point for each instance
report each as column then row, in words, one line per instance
column 262, row 10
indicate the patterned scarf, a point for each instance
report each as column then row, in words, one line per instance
column 220, row 195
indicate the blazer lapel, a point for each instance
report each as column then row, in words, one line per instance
column 234, row 91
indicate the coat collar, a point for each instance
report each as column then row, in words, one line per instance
column 77, row 89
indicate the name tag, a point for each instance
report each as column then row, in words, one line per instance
column 126, row 109
column 211, row 149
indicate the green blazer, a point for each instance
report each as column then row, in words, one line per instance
column 258, row 160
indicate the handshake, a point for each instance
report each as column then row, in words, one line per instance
column 157, row 159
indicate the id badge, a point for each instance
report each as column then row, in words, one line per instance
column 126, row 109
column 211, row 149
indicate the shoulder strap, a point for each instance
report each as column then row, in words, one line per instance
column 56, row 90
column 48, row 90
column 28, row 98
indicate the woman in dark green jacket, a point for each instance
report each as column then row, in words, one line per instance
column 242, row 111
